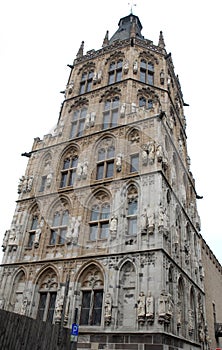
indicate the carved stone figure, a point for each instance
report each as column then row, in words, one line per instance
column 79, row 171
column 144, row 157
column 144, row 221
column 119, row 162
column 20, row 185
column 24, row 306
column 151, row 151
column 85, row 169
column 133, row 107
column 141, row 309
column 108, row 309
column 92, row 118
column 123, row 110
column 87, row 121
column 151, row 222
column 76, row 230
column 165, row 309
column 159, row 153
column 5, row 240
column 29, row 183
column 126, row 67
column 150, row 308
column 38, row 233
column 12, row 241
column 58, row 308
column 49, row 180
column 135, row 67
column 113, row 224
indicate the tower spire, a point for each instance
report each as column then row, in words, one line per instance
column 131, row 4
column 80, row 52
column 161, row 42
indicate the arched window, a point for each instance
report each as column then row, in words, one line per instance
column 47, row 291
column 86, row 82
column 132, row 210
column 115, row 72
column 59, row 227
column 146, row 72
column 92, row 296
column 99, row 222
column 105, row 159
column 33, row 225
column 111, row 113
column 68, row 171
column 147, row 104
column 17, row 296
column 78, row 122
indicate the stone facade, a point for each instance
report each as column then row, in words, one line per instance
column 106, row 231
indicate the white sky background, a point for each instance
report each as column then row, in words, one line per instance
column 39, row 38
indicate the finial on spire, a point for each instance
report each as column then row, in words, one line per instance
column 106, row 39
column 161, row 42
column 131, row 4
column 80, row 52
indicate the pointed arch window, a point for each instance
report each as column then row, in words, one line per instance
column 47, row 296
column 111, row 113
column 78, row 122
column 59, row 227
column 86, row 82
column 146, row 103
column 33, row 228
column 115, row 72
column 105, row 160
column 92, row 297
column 68, row 171
column 146, row 72
column 99, row 221
column 132, row 211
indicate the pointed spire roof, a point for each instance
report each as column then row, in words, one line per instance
column 80, row 52
column 161, row 42
column 106, row 39
column 128, row 26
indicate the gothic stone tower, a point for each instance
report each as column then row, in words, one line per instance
column 105, row 229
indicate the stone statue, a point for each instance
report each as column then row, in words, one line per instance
column 92, row 118
column 165, row 309
column 87, row 121
column 150, row 308
column 151, row 222
column 144, row 221
column 58, row 307
column 38, row 233
column 49, row 180
column 76, row 230
column 25, row 184
column 70, row 230
column 99, row 76
column 79, row 171
column 151, row 151
column 141, row 309
column 144, row 156
column 29, row 183
column 108, row 309
column 126, row 67
column 133, row 107
column 5, row 240
column 119, row 162
column 123, row 110
column 20, row 185
column 159, row 153
column 113, row 224
column 84, row 169
column 24, row 306
column 135, row 67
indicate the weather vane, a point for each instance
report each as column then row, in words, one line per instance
column 131, row 4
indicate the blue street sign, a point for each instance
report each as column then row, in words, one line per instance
column 75, row 329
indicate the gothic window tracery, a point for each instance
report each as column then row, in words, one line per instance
column 146, row 103
column 59, row 224
column 99, row 217
column 105, row 159
column 92, row 296
column 86, row 81
column 111, row 112
column 78, row 122
column 115, row 71
column 132, row 210
column 69, row 167
column 146, row 72
column 47, row 291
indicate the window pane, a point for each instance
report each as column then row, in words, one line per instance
column 101, row 154
column 109, row 169
column 76, row 115
column 112, row 66
column 150, row 78
column 63, row 179
column 84, row 76
column 150, row 67
column 150, row 104
column 73, row 130
column 132, row 207
column 143, row 76
column 74, row 162
column 95, row 213
column 104, row 230
column 31, row 239
column 41, row 307
column 71, row 177
column 62, row 235
column 111, row 152
column 111, row 78
column 118, row 75
column 100, row 170
column 65, row 218
column 83, row 112
column 115, row 102
column 66, row 164
column 132, row 226
column 89, row 86
column 51, row 308
column 106, row 120
column 81, row 127
column 86, row 298
column 107, row 105
column 53, row 237
column 97, row 308
column 56, row 220
column 119, row 64
column 105, row 212
column 42, row 187
column 114, row 118
column 90, row 76
column 143, row 64
column 34, row 223
column 82, row 88
column 142, row 102
column 134, row 163
column 93, row 232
